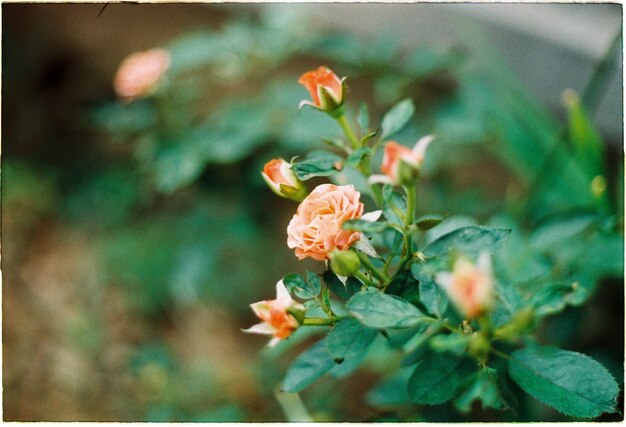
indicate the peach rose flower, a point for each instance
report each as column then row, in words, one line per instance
column 140, row 73
column 469, row 286
column 280, row 317
column 315, row 230
column 325, row 88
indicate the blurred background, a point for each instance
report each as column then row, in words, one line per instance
column 134, row 235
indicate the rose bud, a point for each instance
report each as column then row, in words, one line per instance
column 401, row 165
column 325, row 87
column 469, row 286
column 283, row 181
column 140, row 73
column 344, row 263
column 280, row 317
column 315, row 230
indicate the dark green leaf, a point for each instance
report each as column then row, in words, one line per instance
column 297, row 285
column 397, row 117
column 314, row 282
column 363, row 117
column 392, row 390
column 570, row 382
column 317, row 163
column 433, row 297
column 351, row 287
column 405, row 286
column 356, row 157
column 348, row 338
column 554, row 297
column 485, row 389
column 439, row 377
column 394, row 205
column 308, row 367
column 470, row 239
column 378, row 310
column 426, row 222
column 348, row 342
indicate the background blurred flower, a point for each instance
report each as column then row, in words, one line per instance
column 140, row 73
column 315, row 230
column 469, row 286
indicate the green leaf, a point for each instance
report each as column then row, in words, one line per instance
column 394, row 205
column 470, row 239
column 363, row 225
column 363, row 117
column 570, row 382
column 438, row 378
column 337, row 287
column 378, row 310
column 584, row 137
column 554, row 297
column 404, row 286
column 314, row 282
column 426, row 222
column 356, row 157
column 349, row 338
column 347, row 343
column 391, row 391
column 485, row 389
column 433, row 297
column 397, row 117
column 308, row 367
column 301, row 288
column 317, row 163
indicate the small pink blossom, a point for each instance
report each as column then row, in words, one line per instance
column 315, row 230
column 469, row 286
column 278, row 316
column 140, row 73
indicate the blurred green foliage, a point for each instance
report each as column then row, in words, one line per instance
column 182, row 217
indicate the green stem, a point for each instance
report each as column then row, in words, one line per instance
column 363, row 278
column 320, row 321
column 375, row 272
column 347, row 130
column 408, row 221
column 500, row 354
column 410, row 205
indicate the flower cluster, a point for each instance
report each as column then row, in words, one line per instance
column 318, row 229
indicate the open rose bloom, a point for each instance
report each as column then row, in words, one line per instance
column 469, row 286
column 140, row 73
column 280, row 317
column 325, row 87
column 395, row 154
column 282, row 180
column 315, row 230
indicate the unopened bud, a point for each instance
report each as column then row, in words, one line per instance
column 479, row 346
column 283, row 181
column 345, row 263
